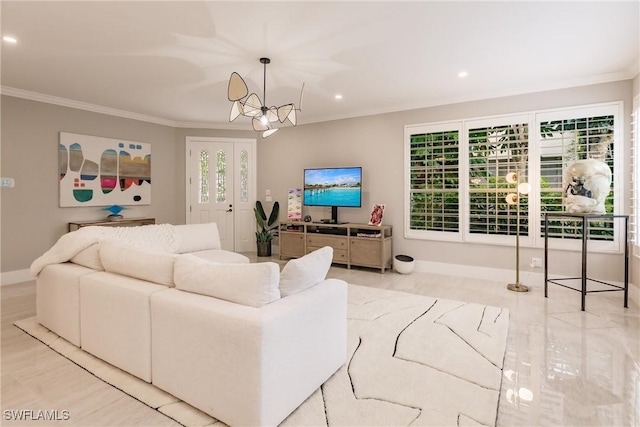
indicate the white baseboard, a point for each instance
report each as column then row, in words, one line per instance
column 529, row 278
column 17, row 276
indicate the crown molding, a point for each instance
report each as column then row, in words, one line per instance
column 628, row 74
column 65, row 102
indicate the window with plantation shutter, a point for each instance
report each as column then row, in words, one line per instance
column 456, row 186
column 494, row 151
column 434, row 175
column 575, row 135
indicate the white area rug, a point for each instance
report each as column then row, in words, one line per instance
column 413, row 360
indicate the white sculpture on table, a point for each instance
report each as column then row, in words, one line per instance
column 587, row 184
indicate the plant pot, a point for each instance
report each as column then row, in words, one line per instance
column 264, row 249
column 403, row 264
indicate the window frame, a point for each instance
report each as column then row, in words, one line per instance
column 534, row 239
column 495, row 121
column 448, row 236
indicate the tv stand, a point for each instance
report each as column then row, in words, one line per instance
column 353, row 244
column 329, row 222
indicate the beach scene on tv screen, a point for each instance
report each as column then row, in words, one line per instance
column 332, row 187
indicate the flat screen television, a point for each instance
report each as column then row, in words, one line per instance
column 334, row 188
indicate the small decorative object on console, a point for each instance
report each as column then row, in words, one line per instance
column 115, row 212
column 294, row 210
column 376, row 215
column 588, row 183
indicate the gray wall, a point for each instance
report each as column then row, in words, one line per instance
column 32, row 220
column 376, row 143
column 635, row 260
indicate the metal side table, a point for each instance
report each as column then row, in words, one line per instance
column 586, row 218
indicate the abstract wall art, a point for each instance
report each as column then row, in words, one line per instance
column 97, row 171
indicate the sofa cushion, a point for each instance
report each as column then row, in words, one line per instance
column 197, row 237
column 154, row 267
column 220, row 256
column 115, row 320
column 89, row 257
column 302, row 273
column 254, row 285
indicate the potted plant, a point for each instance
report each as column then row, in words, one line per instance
column 264, row 235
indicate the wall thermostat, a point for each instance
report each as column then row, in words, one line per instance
column 8, row 182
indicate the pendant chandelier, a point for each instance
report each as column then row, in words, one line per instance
column 263, row 118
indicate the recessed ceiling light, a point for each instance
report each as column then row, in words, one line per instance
column 338, row 96
column 463, row 74
column 10, row 39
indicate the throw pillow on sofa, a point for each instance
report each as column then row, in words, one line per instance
column 254, row 285
column 89, row 257
column 197, row 237
column 302, row 273
column 154, row 267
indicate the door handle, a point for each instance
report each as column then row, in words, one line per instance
column 230, row 209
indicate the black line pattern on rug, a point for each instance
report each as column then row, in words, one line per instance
column 447, row 312
column 385, row 314
column 387, row 298
column 446, row 373
column 467, row 343
column 324, row 404
column 484, row 310
column 498, row 315
column 353, row 390
column 395, row 345
column 471, row 418
column 452, row 331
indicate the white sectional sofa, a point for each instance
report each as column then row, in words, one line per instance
column 243, row 342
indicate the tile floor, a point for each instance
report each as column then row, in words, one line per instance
column 562, row 366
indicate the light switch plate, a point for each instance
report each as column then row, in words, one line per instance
column 8, row 182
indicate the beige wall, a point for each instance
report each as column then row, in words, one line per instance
column 30, row 211
column 376, row 143
column 635, row 260
column 31, row 218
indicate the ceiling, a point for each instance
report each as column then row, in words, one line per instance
column 170, row 61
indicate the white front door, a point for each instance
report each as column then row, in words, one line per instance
column 221, row 188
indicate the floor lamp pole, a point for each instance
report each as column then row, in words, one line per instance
column 517, row 286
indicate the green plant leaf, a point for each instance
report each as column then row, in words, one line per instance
column 259, row 219
column 275, row 211
column 260, row 210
